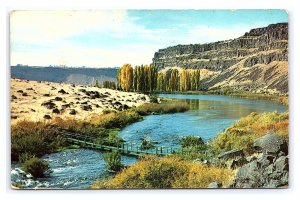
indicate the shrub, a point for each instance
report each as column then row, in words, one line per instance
column 34, row 138
column 36, row 167
column 147, row 143
column 153, row 99
column 167, row 172
column 191, row 141
column 113, row 161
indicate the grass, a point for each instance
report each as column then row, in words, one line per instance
column 34, row 138
column 242, row 133
column 168, row 107
column 239, row 93
column 167, row 172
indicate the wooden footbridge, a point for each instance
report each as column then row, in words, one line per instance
column 129, row 149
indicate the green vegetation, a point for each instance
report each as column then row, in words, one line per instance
column 36, row 167
column 113, row 161
column 242, row 133
column 40, row 138
column 34, row 138
column 162, row 108
column 191, row 141
column 147, row 143
column 167, row 172
column 242, row 93
column 109, row 84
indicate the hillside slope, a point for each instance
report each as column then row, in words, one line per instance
column 82, row 76
column 256, row 61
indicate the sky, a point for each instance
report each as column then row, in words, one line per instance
column 110, row 38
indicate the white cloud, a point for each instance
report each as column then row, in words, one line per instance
column 204, row 34
column 50, row 31
column 92, row 57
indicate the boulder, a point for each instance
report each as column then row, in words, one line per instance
column 72, row 112
column 49, row 105
column 214, row 185
column 58, row 99
column 13, row 97
column 282, row 164
column 56, row 111
column 271, row 143
column 62, row 91
column 233, row 164
column 47, row 117
column 86, row 107
column 64, row 106
column 231, row 154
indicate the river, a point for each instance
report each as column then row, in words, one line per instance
column 208, row 116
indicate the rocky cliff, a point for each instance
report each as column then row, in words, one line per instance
column 258, row 59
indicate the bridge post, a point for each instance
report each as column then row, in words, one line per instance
column 161, row 150
column 156, row 150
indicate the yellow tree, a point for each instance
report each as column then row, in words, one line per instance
column 126, row 77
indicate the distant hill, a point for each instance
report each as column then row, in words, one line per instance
column 82, row 76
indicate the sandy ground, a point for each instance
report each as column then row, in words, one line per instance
column 62, row 99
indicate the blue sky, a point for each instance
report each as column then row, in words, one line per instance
column 109, row 38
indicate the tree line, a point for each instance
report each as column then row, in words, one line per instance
column 147, row 78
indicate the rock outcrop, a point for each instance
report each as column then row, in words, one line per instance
column 260, row 56
column 269, row 168
column 223, row 54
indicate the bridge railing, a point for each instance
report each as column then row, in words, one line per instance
column 124, row 147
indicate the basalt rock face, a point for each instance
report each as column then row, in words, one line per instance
column 256, row 61
column 223, row 54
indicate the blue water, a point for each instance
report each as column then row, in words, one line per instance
column 208, row 116
column 72, row 169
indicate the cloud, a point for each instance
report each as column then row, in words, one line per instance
column 205, row 34
column 47, row 38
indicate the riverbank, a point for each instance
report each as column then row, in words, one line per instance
column 227, row 156
column 279, row 98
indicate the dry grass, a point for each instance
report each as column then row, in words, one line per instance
column 242, row 133
column 167, row 172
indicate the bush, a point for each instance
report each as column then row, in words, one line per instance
column 36, row 167
column 113, row 161
column 167, row 172
column 153, row 99
column 34, row 138
column 191, row 141
column 147, row 143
